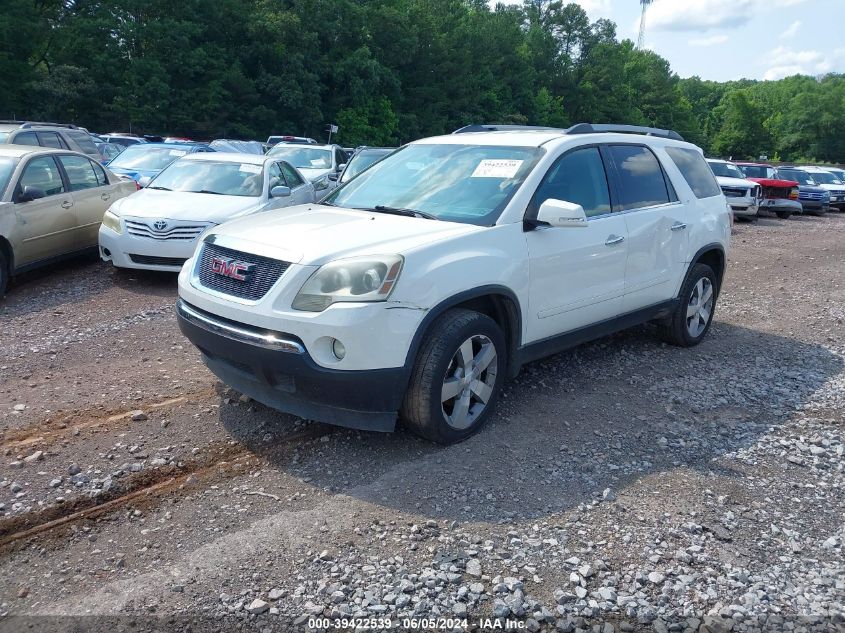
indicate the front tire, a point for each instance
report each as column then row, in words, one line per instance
column 691, row 320
column 457, row 377
column 783, row 215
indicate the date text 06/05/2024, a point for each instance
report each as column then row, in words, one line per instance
column 415, row 624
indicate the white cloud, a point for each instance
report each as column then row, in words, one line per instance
column 595, row 8
column 704, row 15
column 779, row 72
column 713, row 40
column 789, row 62
column 792, row 29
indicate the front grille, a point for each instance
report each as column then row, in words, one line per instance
column 266, row 272
column 150, row 260
column 182, row 231
column 810, row 195
column 731, row 192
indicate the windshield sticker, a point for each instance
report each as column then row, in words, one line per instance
column 317, row 162
column 504, row 168
column 177, row 152
column 250, row 169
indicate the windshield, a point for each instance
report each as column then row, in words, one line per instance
column 727, row 170
column 205, row 176
column 826, row 178
column 361, row 161
column 143, row 157
column 802, row 177
column 757, row 171
column 303, row 157
column 7, row 166
column 457, row 183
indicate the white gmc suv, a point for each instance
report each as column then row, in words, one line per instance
column 415, row 289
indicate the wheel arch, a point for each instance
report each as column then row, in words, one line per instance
column 9, row 254
column 498, row 302
column 714, row 256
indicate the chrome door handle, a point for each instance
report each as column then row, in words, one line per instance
column 614, row 239
column 678, row 226
column 67, row 204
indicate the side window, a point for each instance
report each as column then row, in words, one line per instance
column 80, row 172
column 339, row 156
column 100, row 173
column 50, row 139
column 42, row 172
column 25, row 138
column 276, row 177
column 695, row 171
column 577, row 177
column 641, row 178
column 83, row 139
column 291, row 175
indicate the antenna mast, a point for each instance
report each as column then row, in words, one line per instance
column 641, row 39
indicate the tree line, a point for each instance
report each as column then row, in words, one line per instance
column 385, row 71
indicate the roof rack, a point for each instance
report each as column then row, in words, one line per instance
column 30, row 124
column 591, row 128
column 579, row 128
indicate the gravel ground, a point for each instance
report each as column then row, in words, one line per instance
column 622, row 486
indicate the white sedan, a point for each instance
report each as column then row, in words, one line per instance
column 157, row 228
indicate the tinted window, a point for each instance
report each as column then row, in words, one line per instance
column 50, row 139
column 26, row 138
column 695, row 171
column 43, row 173
column 291, row 175
column 757, row 171
column 84, row 140
column 80, row 172
column 640, row 177
column 577, row 177
column 339, row 156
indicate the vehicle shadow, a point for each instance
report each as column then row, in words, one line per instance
column 600, row 416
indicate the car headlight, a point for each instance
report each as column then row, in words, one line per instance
column 112, row 222
column 357, row 279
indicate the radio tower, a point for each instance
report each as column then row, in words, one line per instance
column 641, row 40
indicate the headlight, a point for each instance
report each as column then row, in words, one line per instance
column 112, row 222
column 355, row 279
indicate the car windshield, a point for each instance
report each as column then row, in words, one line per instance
column 361, row 161
column 826, row 178
column 303, row 157
column 802, row 177
column 457, row 183
column 205, row 176
column 142, row 156
column 757, row 171
column 7, row 166
column 727, row 170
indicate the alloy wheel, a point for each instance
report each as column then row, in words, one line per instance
column 469, row 382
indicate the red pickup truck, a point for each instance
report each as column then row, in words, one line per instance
column 779, row 196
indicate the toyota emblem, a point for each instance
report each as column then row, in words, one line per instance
column 159, row 225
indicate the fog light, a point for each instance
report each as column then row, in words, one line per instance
column 338, row 349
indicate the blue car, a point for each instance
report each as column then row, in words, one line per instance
column 814, row 199
column 146, row 160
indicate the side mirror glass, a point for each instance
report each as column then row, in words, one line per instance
column 30, row 193
column 561, row 213
column 280, row 191
column 143, row 181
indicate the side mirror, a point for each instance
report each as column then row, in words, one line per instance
column 30, row 193
column 143, row 181
column 341, row 167
column 561, row 213
column 334, row 177
column 280, row 191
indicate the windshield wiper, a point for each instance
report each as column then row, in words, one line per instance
column 410, row 213
column 208, row 191
column 159, row 188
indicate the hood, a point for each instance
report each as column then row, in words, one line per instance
column 771, row 182
column 725, row 181
column 181, row 205
column 134, row 174
column 313, row 174
column 812, row 189
column 316, row 234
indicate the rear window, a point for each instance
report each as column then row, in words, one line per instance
column 695, row 171
column 84, row 140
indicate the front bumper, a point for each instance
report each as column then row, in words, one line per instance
column 745, row 207
column 774, row 205
column 275, row 369
column 814, row 205
column 130, row 251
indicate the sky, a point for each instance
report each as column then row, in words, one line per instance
column 734, row 39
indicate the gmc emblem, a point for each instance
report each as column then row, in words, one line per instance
column 232, row 268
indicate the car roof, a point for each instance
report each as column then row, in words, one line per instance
column 166, row 145
column 719, row 160
column 540, row 136
column 740, row 162
column 230, row 157
column 306, row 145
column 16, row 151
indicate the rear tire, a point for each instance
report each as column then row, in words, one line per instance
column 457, row 377
column 691, row 320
